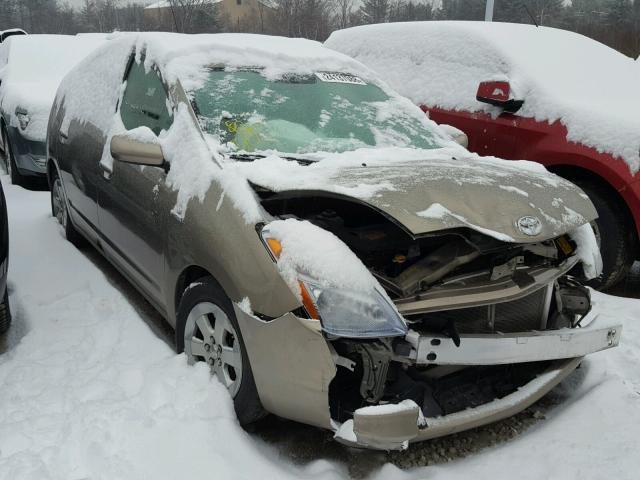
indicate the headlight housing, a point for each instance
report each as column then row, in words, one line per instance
column 343, row 312
column 354, row 314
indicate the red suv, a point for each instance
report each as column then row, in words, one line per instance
column 526, row 92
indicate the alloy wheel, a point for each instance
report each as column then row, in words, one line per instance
column 211, row 337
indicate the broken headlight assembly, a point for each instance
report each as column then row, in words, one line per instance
column 354, row 314
column 343, row 312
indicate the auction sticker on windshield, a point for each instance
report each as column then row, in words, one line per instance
column 339, row 78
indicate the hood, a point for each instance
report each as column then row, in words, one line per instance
column 513, row 201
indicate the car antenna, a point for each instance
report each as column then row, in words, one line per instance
column 533, row 19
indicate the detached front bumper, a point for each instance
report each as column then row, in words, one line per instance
column 393, row 427
column 296, row 379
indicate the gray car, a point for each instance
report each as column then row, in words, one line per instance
column 331, row 254
column 31, row 67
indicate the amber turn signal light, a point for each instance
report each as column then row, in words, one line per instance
column 307, row 301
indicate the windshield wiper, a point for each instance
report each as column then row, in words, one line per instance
column 245, row 157
column 250, row 157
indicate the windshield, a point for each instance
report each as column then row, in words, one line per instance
column 330, row 112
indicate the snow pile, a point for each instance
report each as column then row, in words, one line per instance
column 590, row 88
column 91, row 392
column 312, row 251
column 31, row 68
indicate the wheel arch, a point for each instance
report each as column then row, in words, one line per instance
column 189, row 275
column 576, row 174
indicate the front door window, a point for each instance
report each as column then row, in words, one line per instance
column 145, row 100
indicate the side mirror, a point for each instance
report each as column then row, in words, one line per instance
column 129, row 150
column 499, row 95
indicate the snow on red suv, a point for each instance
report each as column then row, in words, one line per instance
column 526, row 92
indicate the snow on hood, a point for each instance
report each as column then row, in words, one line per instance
column 591, row 88
column 432, row 190
column 31, row 68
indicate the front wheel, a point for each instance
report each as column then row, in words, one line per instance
column 207, row 331
column 60, row 211
column 613, row 233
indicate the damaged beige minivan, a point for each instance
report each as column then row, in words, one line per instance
column 331, row 254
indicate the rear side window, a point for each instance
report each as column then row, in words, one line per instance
column 144, row 103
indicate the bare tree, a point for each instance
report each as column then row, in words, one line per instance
column 189, row 15
column 343, row 13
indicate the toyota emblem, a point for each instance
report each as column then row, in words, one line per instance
column 529, row 225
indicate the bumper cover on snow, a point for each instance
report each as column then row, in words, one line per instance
column 393, row 427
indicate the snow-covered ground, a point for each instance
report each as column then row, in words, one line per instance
column 90, row 391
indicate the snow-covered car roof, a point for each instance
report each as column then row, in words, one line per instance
column 31, row 68
column 590, row 87
column 184, row 56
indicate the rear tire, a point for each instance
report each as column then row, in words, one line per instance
column 60, row 211
column 5, row 313
column 206, row 323
column 614, row 233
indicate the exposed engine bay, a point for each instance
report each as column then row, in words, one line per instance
column 405, row 265
column 450, row 283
